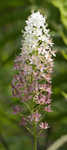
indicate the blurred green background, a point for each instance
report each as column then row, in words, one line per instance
column 13, row 14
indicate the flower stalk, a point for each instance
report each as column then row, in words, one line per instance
column 35, row 137
column 31, row 84
column 35, row 143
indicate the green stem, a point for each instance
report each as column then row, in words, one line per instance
column 35, row 143
column 35, row 137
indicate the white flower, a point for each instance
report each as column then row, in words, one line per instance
column 36, row 19
column 36, row 34
column 36, row 37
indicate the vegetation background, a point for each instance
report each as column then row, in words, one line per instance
column 13, row 14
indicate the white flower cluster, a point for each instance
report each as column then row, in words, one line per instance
column 36, row 35
column 37, row 38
